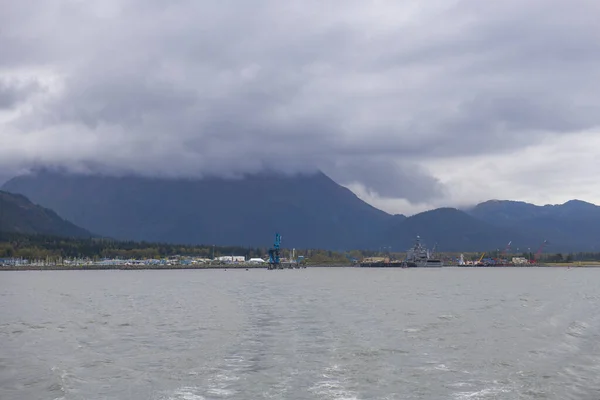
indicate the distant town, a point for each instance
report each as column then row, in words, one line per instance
column 172, row 261
column 24, row 251
column 235, row 261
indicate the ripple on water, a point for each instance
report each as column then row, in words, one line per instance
column 331, row 334
column 486, row 393
column 185, row 393
column 335, row 385
column 577, row 329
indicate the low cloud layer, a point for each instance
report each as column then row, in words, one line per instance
column 411, row 104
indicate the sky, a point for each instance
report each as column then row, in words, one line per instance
column 412, row 105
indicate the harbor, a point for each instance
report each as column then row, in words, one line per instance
column 50, row 255
column 419, row 256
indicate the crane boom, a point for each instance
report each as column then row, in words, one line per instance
column 539, row 252
column 274, row 253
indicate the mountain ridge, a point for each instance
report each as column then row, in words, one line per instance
column 309, row 210
column 312, row 210
column 18, row 214
column 572, row 225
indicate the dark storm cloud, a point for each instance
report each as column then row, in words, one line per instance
column 368, row 93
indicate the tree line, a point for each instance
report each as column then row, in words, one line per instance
column 53, row 248
column 46, row 247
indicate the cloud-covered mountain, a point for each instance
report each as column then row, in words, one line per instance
column 309, row 210
column 416, row 104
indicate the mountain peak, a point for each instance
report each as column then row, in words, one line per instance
column 579, row 203
column 497, row 202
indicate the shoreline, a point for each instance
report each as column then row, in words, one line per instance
column 147, row 267
column 245, row 267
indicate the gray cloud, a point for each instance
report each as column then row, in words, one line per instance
column 13, row 92
column 369, row 93
column 388, row 178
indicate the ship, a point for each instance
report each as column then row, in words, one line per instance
column 416, row 257
column 420, row 257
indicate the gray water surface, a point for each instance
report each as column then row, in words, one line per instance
column 316, row 333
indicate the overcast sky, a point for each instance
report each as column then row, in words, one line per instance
column 411, row 104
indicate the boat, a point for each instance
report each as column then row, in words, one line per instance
column 420, row 257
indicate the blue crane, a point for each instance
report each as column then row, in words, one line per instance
column 274, row 253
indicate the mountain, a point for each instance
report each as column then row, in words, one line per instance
column 504, row 212
column 18, row 214
column 452, row 230
column 507, row 212
column 572, row 226
column 310, row 211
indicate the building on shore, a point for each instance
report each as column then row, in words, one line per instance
column 231, row 259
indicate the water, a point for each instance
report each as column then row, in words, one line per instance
column 339, row 333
